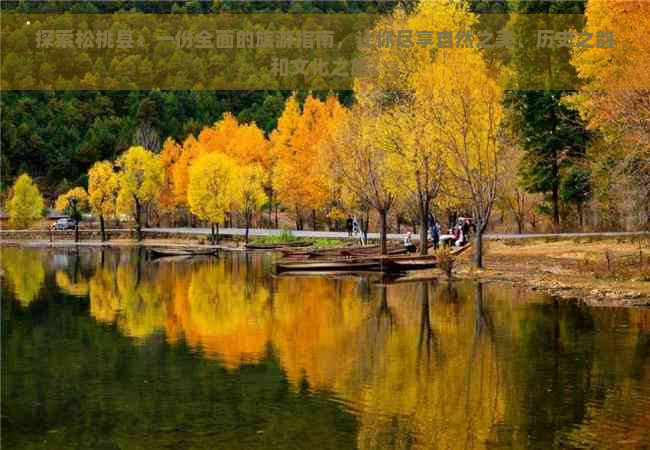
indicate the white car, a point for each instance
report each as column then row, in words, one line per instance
column 64, row 224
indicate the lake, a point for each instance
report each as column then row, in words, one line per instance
column 109, row 349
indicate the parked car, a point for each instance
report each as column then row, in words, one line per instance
column 64, row 224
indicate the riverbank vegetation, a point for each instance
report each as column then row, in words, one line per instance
column 464, row 139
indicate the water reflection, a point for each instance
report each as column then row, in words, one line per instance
column 25, row 270
column 419, row 365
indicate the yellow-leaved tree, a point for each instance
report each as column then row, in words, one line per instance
column 359, row 161
column 244, row 143
column 73, row 203
column 414, row 150
column 615, row 102
column 250, row 189
column 464, row 106
column 212, row 188
column 140, row 177
column 299, row 179
column 166, row 200
column 26, row 203
column 102, row 192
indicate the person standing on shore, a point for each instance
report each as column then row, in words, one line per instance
column 466, row 230
column 348, row 226
column 435, row 234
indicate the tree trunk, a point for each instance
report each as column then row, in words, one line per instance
column 270, row 206
column 580, row 215
column 76, row 231
column 298, row 220
column 248, row 225
column 216, row 226
column 213, row 235
column 382, row 231
column 102, row 228
column 365, row 226
column 138, row 219
column 398, row 224
column 478, row 250
column 556, row 196
column 424, row 219
column 276, row 215
column 313, row 219
column 520, row 226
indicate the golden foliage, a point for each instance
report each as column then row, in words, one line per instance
column 243, row 143
column 616, row 98
column 140, row 177
column 298, row 178
column 26, row 204
column 250, row 189
column 76, row 196
column 102, row 188
column 24, row 270
column 212, row 186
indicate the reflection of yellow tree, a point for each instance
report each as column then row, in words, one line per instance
column 216, row 312
column 104, row 298
column 436, row 382
column 24, row 269
column 422, row 365
column 316, row 326
column 141, row 311
column 78, row 287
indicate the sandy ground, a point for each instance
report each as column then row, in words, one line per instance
column 570, row 269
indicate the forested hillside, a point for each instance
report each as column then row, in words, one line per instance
column 572, row 123
column 58, row 135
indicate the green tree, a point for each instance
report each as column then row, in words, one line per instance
column 26, row 204
column 553, row 135
column 576, row 189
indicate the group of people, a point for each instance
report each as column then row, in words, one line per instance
column 462, row 232
column 458, row 236
column 352, row 226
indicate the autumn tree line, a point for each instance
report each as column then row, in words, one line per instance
column 459, row 135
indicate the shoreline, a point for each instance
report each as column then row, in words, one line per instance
column 560, row 269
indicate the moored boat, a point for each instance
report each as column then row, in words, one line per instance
column 283, row 245
column 158, row 252
column 386, row 263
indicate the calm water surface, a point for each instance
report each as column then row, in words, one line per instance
column 111, row 350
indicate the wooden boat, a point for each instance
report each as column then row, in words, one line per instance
column 326, row 266
column 284, row 245
column 401, row 263
column 384, row 263
column 347, row 251
column 158, row 252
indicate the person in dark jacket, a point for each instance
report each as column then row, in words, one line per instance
column 348, row 225
column 435, row 234
column 466, row 229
